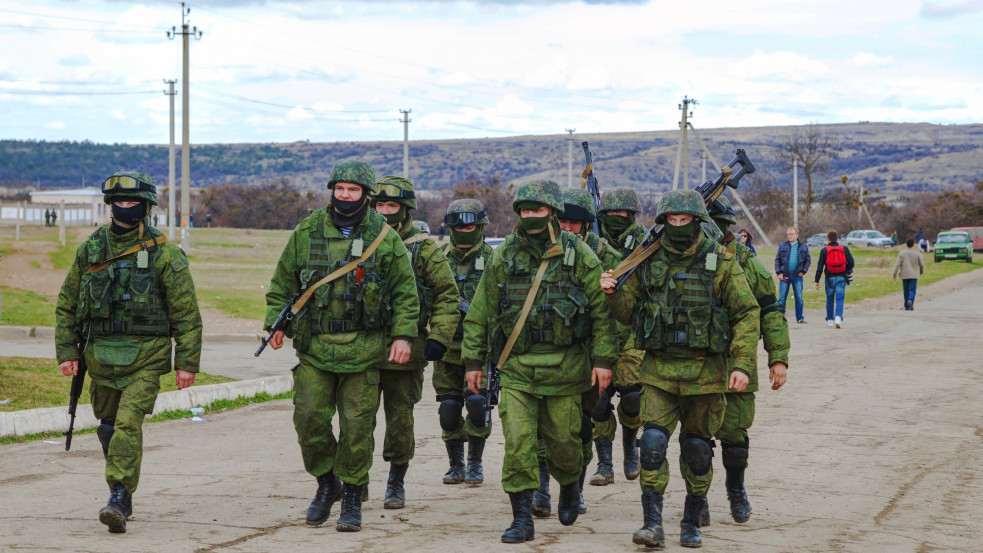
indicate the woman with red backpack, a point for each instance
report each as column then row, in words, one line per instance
column 837, row 261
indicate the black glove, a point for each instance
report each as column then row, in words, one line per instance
column 434, row 350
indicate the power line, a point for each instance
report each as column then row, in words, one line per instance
column 72, row 93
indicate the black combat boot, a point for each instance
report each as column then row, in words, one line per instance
column 630, row 445
column 689, row 527
column 740, row 507
column 541, row 497
column 455, row 452
column 705, row 515
column 105, row 433
column 567, row 506
column 605, row 464
column 651, row 533
column 328, row 491
column 395, row 494
column 581, row 505
column 351, row 509
column 475, row 474
column 119, row 507
column 522, row 528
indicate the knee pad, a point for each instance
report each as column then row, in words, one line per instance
column 631, row 400
column 105, row 432
column 449, row 412
column 586, row 427
column 602, row 411
column 734, row 455
column 653, row 446
column 477, row 406
column 697, row 452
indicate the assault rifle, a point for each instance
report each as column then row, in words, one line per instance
column 480, row 405
column 589, row 182
column 710, row 191
column 78, row 379
column 281, row 323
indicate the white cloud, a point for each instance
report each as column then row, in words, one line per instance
column 456, row 79
column 783, row 65
column 863, row 59
column 118, row 114
column 56, row 125
column 298, row 114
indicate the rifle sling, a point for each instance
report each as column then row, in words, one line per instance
column 142, row 245
column 526, row 308
column 416, row 238
column 342, row 270
column 640, row 254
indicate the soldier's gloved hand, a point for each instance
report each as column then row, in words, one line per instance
column 434, row 350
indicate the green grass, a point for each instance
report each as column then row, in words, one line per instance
column 24, row 308
column 217, row 405
column 63, row 257
column 31, row 383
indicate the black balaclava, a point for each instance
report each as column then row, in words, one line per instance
column 127, row 215
column 349, row 213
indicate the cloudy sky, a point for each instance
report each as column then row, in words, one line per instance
column 280, row 71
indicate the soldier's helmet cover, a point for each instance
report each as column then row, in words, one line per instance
column 542, row 191
column 470, row 208
column 620, row 198
column 687, row 202
column 578, row 205
column 129, row 184
column 351, row 170
column 395, row 189
column 722, row 210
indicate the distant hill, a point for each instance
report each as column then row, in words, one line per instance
column 896, row 157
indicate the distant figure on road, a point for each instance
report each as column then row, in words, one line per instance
column 441, row 231
column 791, row 263
column 208, row 220
column 54, row 217
column 910, row 265
column 920, row 238
column 894, row 238
column 47, row 218
column 837, row 261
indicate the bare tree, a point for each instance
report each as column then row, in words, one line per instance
column 813, row 148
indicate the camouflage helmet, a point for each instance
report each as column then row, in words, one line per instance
column 457, row 209
column 620, row 198
column 395, row 189
column 541, row 191
column 578, row 205
column 687, row 202
column 129, row 184
column 722, row 210
column 355, row 171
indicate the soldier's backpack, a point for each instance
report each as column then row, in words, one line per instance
column 835, row 259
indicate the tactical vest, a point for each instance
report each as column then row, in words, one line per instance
column 561, row 315
column 423, row 292
column 466, row 276
column 682, row 316
column 357, row 301
column 123, row 298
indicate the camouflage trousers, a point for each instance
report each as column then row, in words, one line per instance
column 697, row 414
column 588, row 400
column 738, row 417
column 625, row 374
column 449, row 380
column 557, row 420
column 400, row 390
column 127, row 406
column 318, row 394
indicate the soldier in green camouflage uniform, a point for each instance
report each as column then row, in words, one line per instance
column 739, row 415
column 468, row 255
column 341, row 335
column 566, row 345
column 619, row 206
column 124, row 316
column 578, row 217
column 401, row 385
column 697, row 319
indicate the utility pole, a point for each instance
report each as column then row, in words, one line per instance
column 170, row 175
column 682, row 152
column 703, row 158
column 569, row 138
column 406, row 141
column 185, row 32
column 795, row 193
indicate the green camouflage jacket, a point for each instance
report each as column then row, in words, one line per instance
column 561, row 363
column 705, row 374
column 774, row 326
column 354, row 350
column 437, row 294
column 610, row 258
column 462, row 266
column 120, row 357
column 628, row 240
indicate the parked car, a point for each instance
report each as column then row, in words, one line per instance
column 872, row 238
column 494, row 242
column 422, row 225
column 953, row 245
column 975, row 234
column 818, row 239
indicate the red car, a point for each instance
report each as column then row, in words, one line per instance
column 975, row 235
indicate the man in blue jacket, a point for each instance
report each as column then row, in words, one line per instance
column 791, row 262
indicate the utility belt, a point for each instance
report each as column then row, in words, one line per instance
column 109, row 327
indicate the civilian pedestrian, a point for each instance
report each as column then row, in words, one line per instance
column 791, row 264
column 837, row 262
column 910, row 265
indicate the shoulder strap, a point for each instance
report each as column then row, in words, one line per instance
column 416, row 238
column 342, row 270
column 526, row 308
column 142, row 245
column 636, row 257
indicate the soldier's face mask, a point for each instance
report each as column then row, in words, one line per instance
column 617, row 223
column 129, row 215
column 465, row 239
column 683, row 235
column 533, row 225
